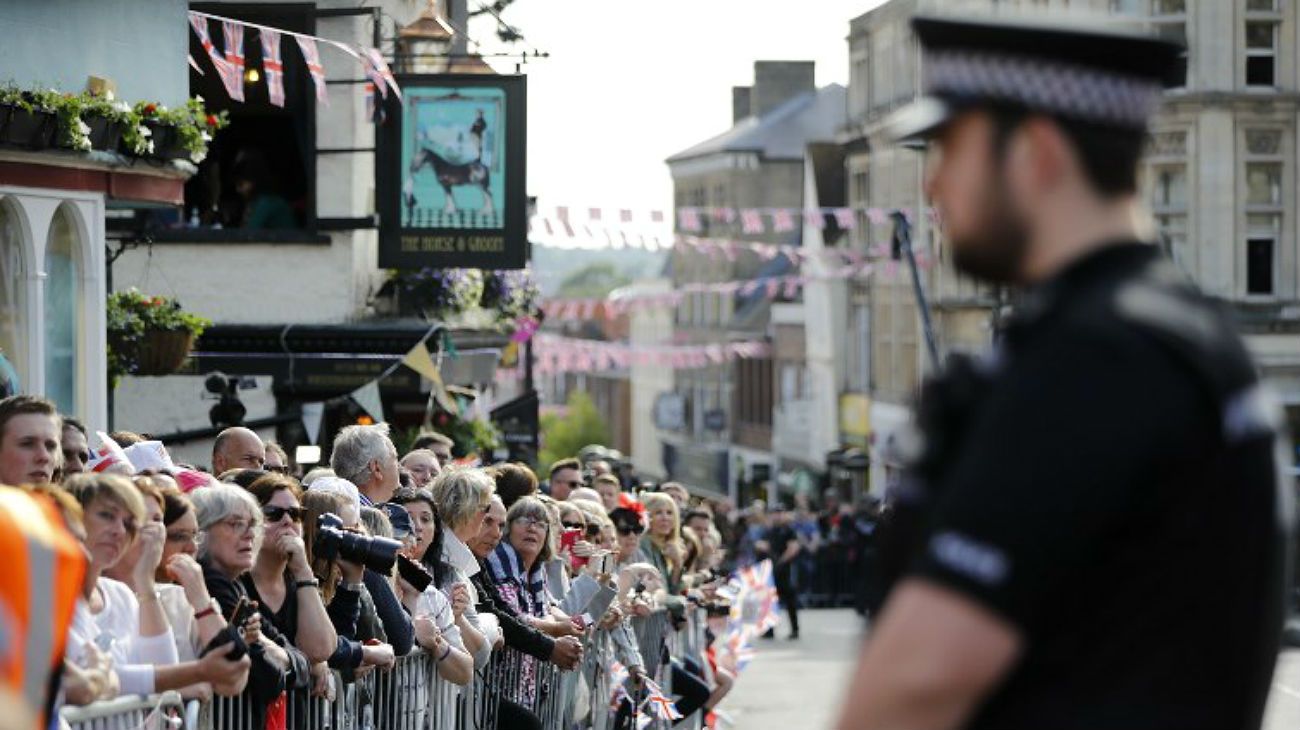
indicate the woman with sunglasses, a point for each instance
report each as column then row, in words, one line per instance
column 282, row 581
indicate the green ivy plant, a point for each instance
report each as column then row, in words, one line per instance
column 131, row 314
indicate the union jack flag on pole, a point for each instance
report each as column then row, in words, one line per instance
column 273, row 66
column 233, row 75
column 311, row 55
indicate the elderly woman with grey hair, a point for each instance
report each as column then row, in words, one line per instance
column 460, row 498
column 230, row 530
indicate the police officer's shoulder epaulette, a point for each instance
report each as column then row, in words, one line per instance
column 1198, row 334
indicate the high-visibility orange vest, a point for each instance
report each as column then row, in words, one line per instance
column 42, row 567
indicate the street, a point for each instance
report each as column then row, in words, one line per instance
column 800, row 684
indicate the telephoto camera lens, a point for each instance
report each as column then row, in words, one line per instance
column 379, row 554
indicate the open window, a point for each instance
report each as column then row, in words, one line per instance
column 259, row 174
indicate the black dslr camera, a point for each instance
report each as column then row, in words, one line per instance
column 335, row 543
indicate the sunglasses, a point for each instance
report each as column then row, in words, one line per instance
column 575, row 525
column 275, row 514
column 277, row 469
column 625, row 530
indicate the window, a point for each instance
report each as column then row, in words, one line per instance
column 13, row 342
column 1263, row 195
column 1261, row 53
column 1263, row 183
column 61, row 320
column 1269, row 6
column 1259, row 265
column 260, row 171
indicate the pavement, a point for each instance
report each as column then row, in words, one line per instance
column 800, row 684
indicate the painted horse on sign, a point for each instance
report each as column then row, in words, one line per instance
column 456, row 162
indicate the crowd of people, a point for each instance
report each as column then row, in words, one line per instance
column 246, row 579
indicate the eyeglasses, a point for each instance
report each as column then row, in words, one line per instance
column 238, row 525
column 278, row 469
column 530, row 522
column 182, row 537
column 275, row 514
column 573, row 483
column 575, row 525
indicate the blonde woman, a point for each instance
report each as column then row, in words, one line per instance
column 662, row 542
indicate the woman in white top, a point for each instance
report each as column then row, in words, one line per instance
column 129, row 624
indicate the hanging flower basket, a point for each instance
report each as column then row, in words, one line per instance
column 439, row 294
column 510, row 294
column 148, row 335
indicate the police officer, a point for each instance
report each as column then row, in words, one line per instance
column 1103, row 526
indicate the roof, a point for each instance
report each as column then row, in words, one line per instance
column 782, row 133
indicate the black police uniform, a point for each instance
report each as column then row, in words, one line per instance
column 1110, row 489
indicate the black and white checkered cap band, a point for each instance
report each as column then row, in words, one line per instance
column 1067, row 89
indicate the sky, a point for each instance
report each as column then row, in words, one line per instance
column 631, row 82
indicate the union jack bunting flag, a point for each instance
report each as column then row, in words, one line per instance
column 232, row 77
column 273, row 66
column 311, row 55
column 200, row 25
column 660, row 705
column 751, row 221
column 381, row 66
column 782, row 220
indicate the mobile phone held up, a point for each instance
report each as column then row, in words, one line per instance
column 413, row 573
column 570, row 537
column 231, row 633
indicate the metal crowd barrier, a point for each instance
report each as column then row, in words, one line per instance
column 412, row 696
column 151, row 712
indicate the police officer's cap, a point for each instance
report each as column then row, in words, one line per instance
column 1099, row 76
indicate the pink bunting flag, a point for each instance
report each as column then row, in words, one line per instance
column 877, row 216
column 751, row 220
column 624, row 215
column 772, row 287
column 593, row 214
column 273, row 66
column 815, row 217
column 844, row 218
column 689, row 219
column 656, row 216
column 233, row 77
column 562, row 212
column 311, row 55
column 792, row 284
column 782, row 220
column 378, row 63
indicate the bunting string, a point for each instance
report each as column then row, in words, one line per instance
column 231, row 61
column 554, row 354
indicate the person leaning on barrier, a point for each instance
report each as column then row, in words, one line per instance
column 181, row 592
column 281, row 580
column 436, row 626
column 230, row 523
column 519, row 633
column 128, row 622
column 1094, row 529
column 383, row 618
column 448, row 514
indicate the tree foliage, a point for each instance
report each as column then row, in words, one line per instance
column 593, row 281
column 563, row 436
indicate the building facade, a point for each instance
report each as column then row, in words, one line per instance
column 55, row 202
column 724, row 442
column 1219, row 175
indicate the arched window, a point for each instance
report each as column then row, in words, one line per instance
column 13, row 342
column 62, row 324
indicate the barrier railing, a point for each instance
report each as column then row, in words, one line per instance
column 412, row 696
column 152, row 712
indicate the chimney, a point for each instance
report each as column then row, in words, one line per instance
column 776, row 82
column 741, row 98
